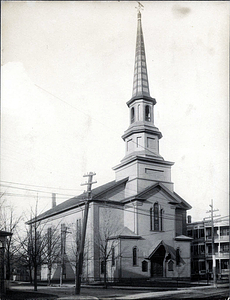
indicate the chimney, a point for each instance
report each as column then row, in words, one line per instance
column 189, row 219
column 53, row 200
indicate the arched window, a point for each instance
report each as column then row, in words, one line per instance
column 132, row 115
column 178, row 256
column 151, row 218
column 144, row 266
column 156, row 216
column 134, row 256
column 170, row 265
column 161, row 219
column 113, row 256
column 147, row 113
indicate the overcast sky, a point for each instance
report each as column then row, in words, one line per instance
column 67, row 71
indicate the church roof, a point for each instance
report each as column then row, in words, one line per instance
column 125, row 233
column 78, row 200
column 169, row 250
column 140, row 80
column 175, row 198
column 183, row 238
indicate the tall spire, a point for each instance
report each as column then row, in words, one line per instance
column 140, row 81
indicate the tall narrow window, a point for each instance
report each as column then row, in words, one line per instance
column 170, row 265
column 161, row 219
column 156, row 216
column 132, row 115
column 134, row 256
column 113, row 256
column 151, row 218
column 147, row 113
column 138, row 141
column 144, row 266
column 178, row 256
column 138, row 112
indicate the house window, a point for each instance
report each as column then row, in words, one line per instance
column 102, row 267
column 144, row 266
column 147, row 113
column 224, row 247
column 224, row 264
column 156, row 216
column 224, row 231
column 132, row 115
column 113, row 256
column 134, row 256
column 170, row 265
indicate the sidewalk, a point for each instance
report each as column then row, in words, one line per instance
column 194, row 291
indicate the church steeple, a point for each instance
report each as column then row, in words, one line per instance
column 142, row 137
column 142, row 163
column 140, row 80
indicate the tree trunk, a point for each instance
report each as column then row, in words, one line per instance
column 49, row 275
column 30, row 274
column 35, row 278
column 105, row 273
column 8, row 271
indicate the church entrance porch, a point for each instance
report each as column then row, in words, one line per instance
column 157, row 262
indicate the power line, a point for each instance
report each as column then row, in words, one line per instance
column 33, row 185
column 25, row 189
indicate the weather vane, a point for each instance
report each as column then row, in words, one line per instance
column 139, row 7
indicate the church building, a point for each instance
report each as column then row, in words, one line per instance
column 137, row 223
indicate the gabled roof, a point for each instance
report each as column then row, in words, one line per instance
column 125, row 233
column 169, row 250
column 175, row 198
column 183, row 238
column 79, row 200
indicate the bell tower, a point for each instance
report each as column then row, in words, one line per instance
column 142, row 163
column 142, row 137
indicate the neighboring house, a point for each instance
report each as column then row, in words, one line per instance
column 201, row 248
column 3, row 283
column 139, row 214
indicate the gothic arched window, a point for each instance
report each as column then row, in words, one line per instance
column 147, row 113
column 161, row 219
column 170, row 265
column 151, row 218
column 132, row 115
column 144, row 266
column 156, row 216
column 134, row 256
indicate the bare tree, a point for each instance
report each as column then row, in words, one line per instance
column 9, row 222
column 52, row 249
column 76, row 232
column 40, row 246
column 108, row 228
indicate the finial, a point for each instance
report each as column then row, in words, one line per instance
column 140, row 6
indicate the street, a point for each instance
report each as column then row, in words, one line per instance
column 88, row 292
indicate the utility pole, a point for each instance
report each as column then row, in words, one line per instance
column 64, row 231
column 82, row 242
column 213, row 243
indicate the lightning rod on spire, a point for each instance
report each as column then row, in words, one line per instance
column 139, row 7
